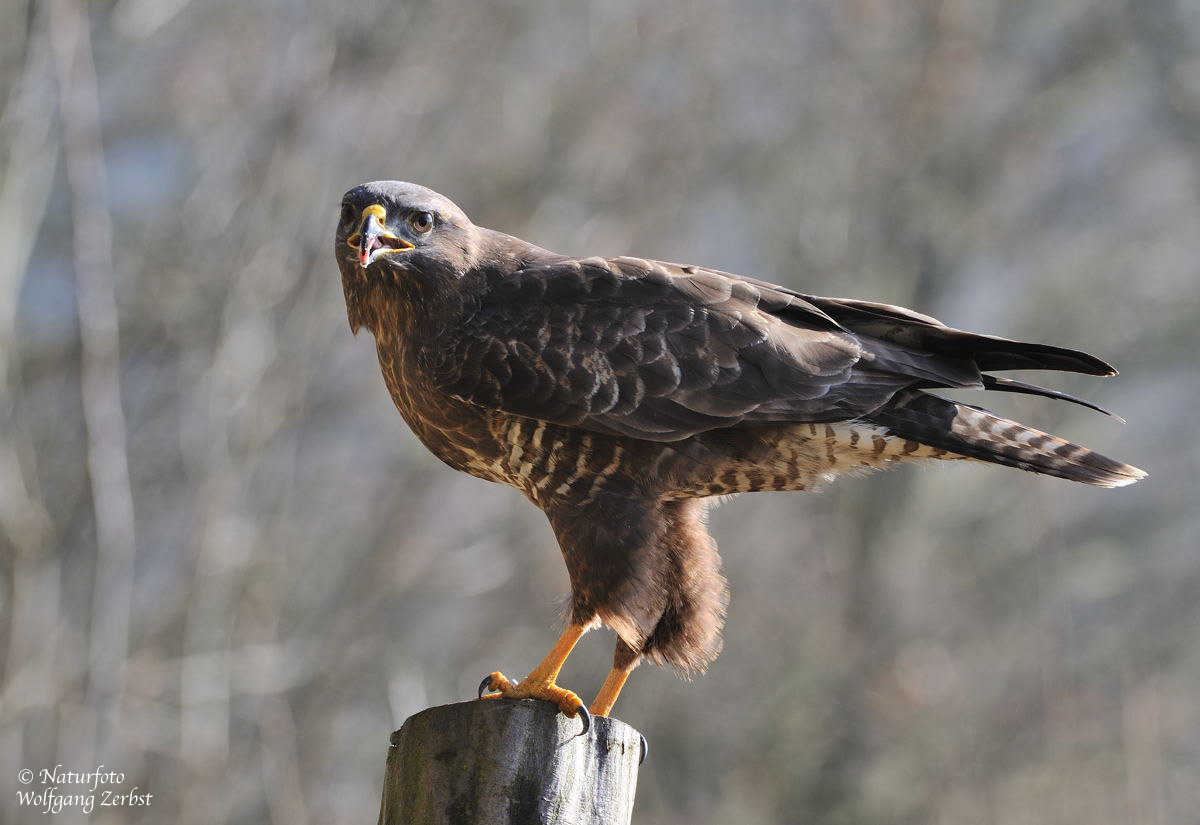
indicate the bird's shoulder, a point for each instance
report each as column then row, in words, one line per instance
column 559, row 281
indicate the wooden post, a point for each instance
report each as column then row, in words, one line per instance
column 509, row 762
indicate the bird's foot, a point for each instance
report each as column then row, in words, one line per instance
column 533, row 688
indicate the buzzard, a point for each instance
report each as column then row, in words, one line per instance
column 620, row 394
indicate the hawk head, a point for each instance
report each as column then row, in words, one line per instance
column 397, row 239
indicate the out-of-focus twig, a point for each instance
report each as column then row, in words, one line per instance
column 27, row 164
column 108, row 463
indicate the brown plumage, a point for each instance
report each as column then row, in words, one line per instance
column 618, row 394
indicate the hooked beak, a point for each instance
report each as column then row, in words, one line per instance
column 374, row 239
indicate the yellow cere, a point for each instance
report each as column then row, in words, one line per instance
column 380, row 215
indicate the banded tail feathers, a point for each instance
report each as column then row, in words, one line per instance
column 977, row 433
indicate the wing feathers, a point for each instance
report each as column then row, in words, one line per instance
column 923, row 333
column 661, row 352
column 992, row 382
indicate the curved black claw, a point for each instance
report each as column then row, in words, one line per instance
column 485, row 685
column 645, row 749
column 587, row 719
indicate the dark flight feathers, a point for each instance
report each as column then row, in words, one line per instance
column 660, row 352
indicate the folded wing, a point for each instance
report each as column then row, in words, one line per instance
column 661, row 352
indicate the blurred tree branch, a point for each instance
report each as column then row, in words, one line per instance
column 107, row 459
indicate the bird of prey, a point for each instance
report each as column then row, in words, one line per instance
column 620, row 394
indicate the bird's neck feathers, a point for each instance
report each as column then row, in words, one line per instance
column 402, row 303
column 419, row 302
column 502, row 254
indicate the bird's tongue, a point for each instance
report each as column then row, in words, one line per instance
column 370, row 246
column 375, row 241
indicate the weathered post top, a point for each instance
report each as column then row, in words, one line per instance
column 509, row 762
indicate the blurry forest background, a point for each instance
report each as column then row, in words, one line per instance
column 228, row 570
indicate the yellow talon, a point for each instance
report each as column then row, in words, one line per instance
column 564, row 699
column 495, row 681
column 539, row 684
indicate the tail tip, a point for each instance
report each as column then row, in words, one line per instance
column 1125, row 476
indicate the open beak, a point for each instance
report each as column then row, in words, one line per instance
column 374, row 239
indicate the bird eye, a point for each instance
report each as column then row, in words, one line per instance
column 348, row 214
column 421, row 222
